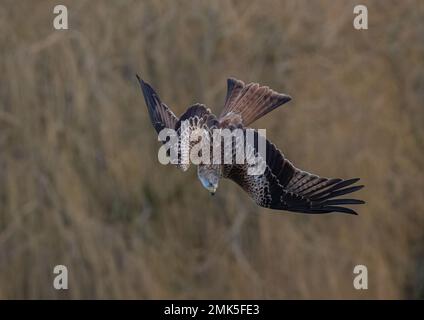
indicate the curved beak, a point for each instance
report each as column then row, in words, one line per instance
column 212, row 190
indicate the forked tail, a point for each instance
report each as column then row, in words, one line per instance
column 251, row 101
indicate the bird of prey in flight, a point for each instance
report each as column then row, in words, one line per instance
column 281, row 185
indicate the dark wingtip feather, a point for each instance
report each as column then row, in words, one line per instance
column 140, row 81
column 152, row 100
column 336, row 189
column 285, row 98
column 337, row 193
column 342, row 201
column 147, row 89
column 327, row 200
column 341, row 210
column 144, row 86
column 354, row 213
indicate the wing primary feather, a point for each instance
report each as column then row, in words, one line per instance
column 339, row 193
column 160, row 114
column 343, row 201
column 341, row 209
column 337, row 186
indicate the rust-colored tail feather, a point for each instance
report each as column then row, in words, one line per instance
column 251, row 101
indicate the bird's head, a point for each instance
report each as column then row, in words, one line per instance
column 209, row 176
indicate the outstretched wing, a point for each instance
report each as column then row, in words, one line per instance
column 160, row 114
column 196, row 118
column 282, row 186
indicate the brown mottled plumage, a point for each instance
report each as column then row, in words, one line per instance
column 281, row 186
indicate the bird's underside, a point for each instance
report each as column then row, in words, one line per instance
column 281, row 186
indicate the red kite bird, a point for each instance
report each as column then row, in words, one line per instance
column 280, row 185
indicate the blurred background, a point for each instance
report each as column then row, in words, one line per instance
column 80, row 183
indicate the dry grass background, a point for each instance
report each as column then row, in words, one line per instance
column 80, row 183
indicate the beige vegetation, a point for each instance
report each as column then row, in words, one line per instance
column 80, row 183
